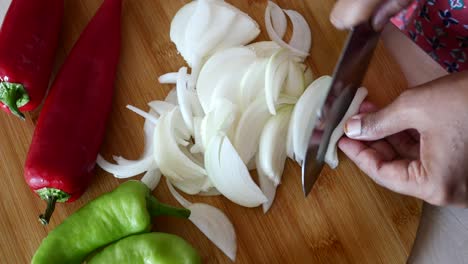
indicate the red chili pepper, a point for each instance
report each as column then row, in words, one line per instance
column 71, row 126
column 28, row 43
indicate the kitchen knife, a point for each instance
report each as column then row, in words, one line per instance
column 347, row 78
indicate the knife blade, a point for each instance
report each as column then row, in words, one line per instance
column 347, row 78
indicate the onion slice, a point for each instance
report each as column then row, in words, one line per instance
column 161, row 107
column 222, row 74
column 301, row 37
column 275, row 37
column 276, row 73
column 152, row 178
column 172, row 97
column 268, row 187
column 252, row 84
column 179, row 24
column 168, row 78
column 264, row 49
column 184, row 98
column 279, row 20
column 272, row 151
column 172, row 161
column 143, row 114
column 306, row 113
column 308, row 76
column 221, row 119
column 129, row 170
column 230, row 175
column 212, row 222
column 295, row 83
column 331, row 157
column 249, row 129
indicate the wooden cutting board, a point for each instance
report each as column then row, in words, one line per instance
column 346, row 219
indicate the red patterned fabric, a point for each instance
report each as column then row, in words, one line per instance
column 440, row 28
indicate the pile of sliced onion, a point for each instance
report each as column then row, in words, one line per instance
column 242, row 107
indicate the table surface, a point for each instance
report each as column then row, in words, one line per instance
column 347, row 218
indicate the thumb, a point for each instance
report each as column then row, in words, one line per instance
column 398, row 116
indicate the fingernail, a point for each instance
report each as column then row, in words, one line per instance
column 353, row 127
column 337, row 23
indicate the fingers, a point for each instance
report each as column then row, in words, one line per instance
column 398, row 116
column 349, row 13
column 404, row 145
column 384, row 149
column 388, row 10
column 367, row 107
column 414, row 135
column 402, row 176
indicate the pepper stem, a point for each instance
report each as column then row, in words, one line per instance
column 51, row 196
column 157, row 208
column 45, row 217
column 14, row 96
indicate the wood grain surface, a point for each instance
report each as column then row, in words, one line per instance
column 346, row 219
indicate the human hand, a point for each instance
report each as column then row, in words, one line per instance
column 349, row 13
column 418, row 145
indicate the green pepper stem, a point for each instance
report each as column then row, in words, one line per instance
column 45, row 217
column 13, row 95
column 157, row 208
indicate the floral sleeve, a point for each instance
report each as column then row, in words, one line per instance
column 440, row 28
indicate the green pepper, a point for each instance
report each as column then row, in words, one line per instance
column 151, row 248
column 123, row 212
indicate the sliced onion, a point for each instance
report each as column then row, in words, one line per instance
column 172, row 97
column 249, row 129
column 229, row 174
column 179, row 198
column 223, row 72
column 223, row 19
column 212, row 222
column 272, row 150
column 308, row 77
column 202, row 28
column 242, row 31
column 278, row 18
column 290, row 143
column 148, row 129
column 179, row 25
column 184, row 98
column 143, row 114
column 274, row 36
column 331, row 157
column 295, row 83
column 189, row 186
column 252, row 84
column 172, row 161
column 301, row 37
column 221, row 119
column 252, row 165
column 129, row 170
column 198, row 147
column 268, row 187
column 168, row 78
column 306, row 113
column 161, row 107
column 197, row 26
column 152, row 178
column 264, row 49
column 210, row 192
column 276, row 73
column 215, row 225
